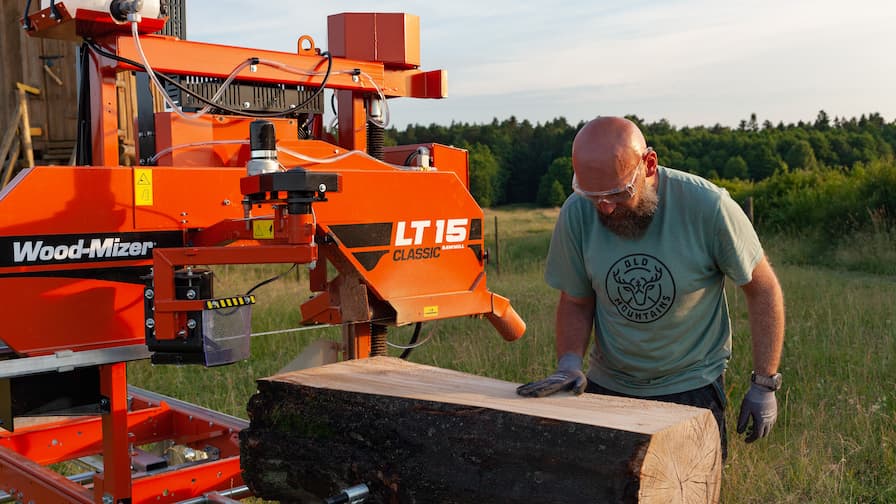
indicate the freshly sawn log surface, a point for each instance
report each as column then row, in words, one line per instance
column 421, row 434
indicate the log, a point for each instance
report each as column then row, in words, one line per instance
column 421, row 434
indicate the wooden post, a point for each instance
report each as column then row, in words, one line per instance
column 10, row 133
column 26, row 122
column 497, row 247
column 748, row 207
column 6, row 143
column 6, row 171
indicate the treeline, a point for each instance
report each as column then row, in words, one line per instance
column 514, row 161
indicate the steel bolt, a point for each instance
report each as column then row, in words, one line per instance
column 322, row 188
column 226, row 202
column 191, row 324
column 149, row 294
column 246, row 104
column 150, row 323
column 191, row 294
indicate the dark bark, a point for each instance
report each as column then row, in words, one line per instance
column 411, row 451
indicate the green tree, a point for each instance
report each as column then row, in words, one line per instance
column 735, row 168
column 524, row 151
column 822, row 121
column 554, row 186
column 484, row 169
column 762, row 161
column 550, row 193
column 801, row 156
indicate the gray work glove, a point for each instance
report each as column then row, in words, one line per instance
column 569, row 376
column 760, row 405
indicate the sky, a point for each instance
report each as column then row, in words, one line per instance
column 691, row 62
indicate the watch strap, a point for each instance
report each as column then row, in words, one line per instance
column 772, row 382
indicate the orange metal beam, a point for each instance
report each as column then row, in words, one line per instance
column 104, row 117
column 24, row 454
column 352, row 120
column 28, row 481
column 190, row 482
column 356, row 339
column 416, row 83
column 115, row 480
column 170, row 55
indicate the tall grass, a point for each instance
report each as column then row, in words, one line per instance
column 835, row 440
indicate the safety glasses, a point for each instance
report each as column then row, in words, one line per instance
column 620, row 195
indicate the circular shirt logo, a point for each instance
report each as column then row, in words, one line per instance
column 641, row 288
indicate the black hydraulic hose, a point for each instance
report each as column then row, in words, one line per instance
column 83, row 142
column 407, row 351
column 205, row 100
column 272, row 279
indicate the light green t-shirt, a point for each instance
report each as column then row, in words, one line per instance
column 661, row 317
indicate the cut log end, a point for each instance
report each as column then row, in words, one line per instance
column 683, row 463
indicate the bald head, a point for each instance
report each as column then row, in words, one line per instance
column 605, row 151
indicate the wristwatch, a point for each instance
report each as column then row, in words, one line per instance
column 772, row 382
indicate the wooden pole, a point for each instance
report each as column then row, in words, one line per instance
column 26, row 128
column 8, row 137
column 497, row 247
column 10, row 167
column 748, row 208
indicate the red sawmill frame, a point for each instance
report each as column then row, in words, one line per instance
column 101, row 200
column 151, row 418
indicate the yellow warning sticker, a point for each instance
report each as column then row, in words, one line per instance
column 217, row 304
column 142, row 187
column 431, row 311
column 262, row 229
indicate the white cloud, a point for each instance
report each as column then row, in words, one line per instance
column 691, row 61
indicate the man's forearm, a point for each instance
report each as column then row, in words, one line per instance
column 765, row 307
column 575, row 321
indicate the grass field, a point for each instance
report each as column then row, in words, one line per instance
column 835, row 440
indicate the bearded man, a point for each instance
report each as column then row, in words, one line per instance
column 640, row 253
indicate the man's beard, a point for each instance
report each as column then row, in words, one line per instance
column 632, row 223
